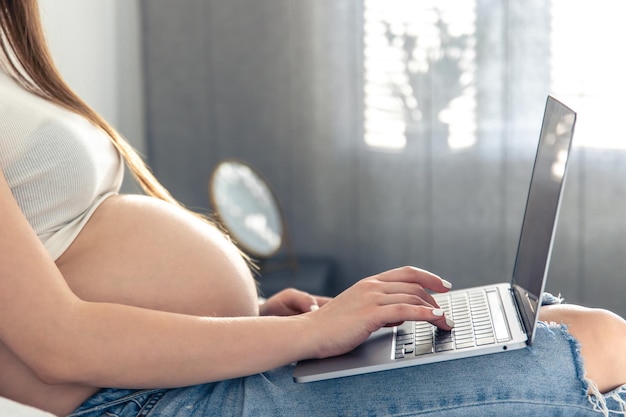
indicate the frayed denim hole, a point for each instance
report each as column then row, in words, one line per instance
column 601, row 402
column 548, row 299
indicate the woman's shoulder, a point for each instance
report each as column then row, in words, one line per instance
column 17, row 103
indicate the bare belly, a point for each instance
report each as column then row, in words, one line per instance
column 140, row 251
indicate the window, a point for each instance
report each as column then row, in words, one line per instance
column 406, row 42
column 588, row 70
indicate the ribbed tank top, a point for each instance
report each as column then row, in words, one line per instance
column 59, row 166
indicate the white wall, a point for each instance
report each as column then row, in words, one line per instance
column 97, row 47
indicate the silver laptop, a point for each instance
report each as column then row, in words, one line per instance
column 489, row 319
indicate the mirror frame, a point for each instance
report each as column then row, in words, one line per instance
column 215, row 207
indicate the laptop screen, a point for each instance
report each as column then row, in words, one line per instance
column 542, row 206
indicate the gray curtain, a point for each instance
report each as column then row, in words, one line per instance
column 280, row 84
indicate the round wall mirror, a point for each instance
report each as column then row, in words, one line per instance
column 247, row 207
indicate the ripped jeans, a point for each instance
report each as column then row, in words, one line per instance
column 543, row 380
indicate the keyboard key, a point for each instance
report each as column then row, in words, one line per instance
column 485, row 341
column 424, row 349
column 444, row 346
column 465, row 345
column 464, row 338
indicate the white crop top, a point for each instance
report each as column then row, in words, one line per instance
column 59, row 166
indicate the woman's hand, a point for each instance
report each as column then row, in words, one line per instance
column 290, row 302
column 382, row 300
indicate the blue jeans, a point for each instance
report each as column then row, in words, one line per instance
column 543, row 380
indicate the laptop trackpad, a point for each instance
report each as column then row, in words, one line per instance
column 373, row 352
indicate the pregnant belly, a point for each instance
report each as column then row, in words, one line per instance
column 141, row 251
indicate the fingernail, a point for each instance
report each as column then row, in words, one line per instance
column 450, row 322
column 438, row 312
column 446, row 284
column 314, row 307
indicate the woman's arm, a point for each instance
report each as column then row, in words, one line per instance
column 66, row 340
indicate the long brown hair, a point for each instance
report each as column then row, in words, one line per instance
column 29, row 61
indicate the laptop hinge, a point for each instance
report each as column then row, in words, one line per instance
column 519, row 313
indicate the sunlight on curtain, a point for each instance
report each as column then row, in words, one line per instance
column 588, row 70
column 410, row 47
column 405, row 44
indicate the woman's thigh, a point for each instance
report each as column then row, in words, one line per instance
column 544, row 380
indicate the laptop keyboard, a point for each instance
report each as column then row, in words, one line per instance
column 475, row 325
